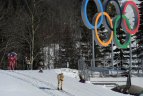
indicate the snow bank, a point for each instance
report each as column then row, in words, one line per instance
column 68, row 72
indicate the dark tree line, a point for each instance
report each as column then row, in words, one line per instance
column 27, row 26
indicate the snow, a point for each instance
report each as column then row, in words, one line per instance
column 68, row 72
column 33, row 83
column 10, row 86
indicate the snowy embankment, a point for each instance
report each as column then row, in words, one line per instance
column 33, row 83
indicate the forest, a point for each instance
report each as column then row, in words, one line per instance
column 53, row 31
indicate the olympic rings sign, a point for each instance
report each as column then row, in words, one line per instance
column 112, row 25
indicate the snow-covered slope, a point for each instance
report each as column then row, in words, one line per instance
column 33, row 83
column 12, row 86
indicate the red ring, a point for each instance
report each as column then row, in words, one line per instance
column 131, row 31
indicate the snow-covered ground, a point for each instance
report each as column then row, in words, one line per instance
column 33, row 83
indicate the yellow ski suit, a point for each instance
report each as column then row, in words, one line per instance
column 60, row 78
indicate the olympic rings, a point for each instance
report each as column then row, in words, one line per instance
column 84, row 13
column 109, row 24
column 98, row 40
column 128, row 37
column 137, row 17
column 118, row 9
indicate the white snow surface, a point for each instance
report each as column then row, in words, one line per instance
column 33, row 83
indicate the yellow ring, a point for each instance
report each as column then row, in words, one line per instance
column 96, row 32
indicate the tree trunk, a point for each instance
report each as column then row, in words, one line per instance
column 32, row 41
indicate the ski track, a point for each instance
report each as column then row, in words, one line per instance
column 75, row 87
column 41, row 85
column 46, row 83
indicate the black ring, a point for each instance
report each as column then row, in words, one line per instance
column 118, row 12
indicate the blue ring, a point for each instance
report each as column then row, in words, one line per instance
column 89, row 25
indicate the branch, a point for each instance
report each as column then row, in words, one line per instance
column 28, row 7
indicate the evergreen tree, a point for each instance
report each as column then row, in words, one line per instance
column 139, row 37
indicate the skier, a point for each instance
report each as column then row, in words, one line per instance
column 60, row 78
column 12, row 62
column 41, row 66
column 28, row 63
column 41, row 70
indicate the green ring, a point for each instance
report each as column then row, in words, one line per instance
column 128, row 38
